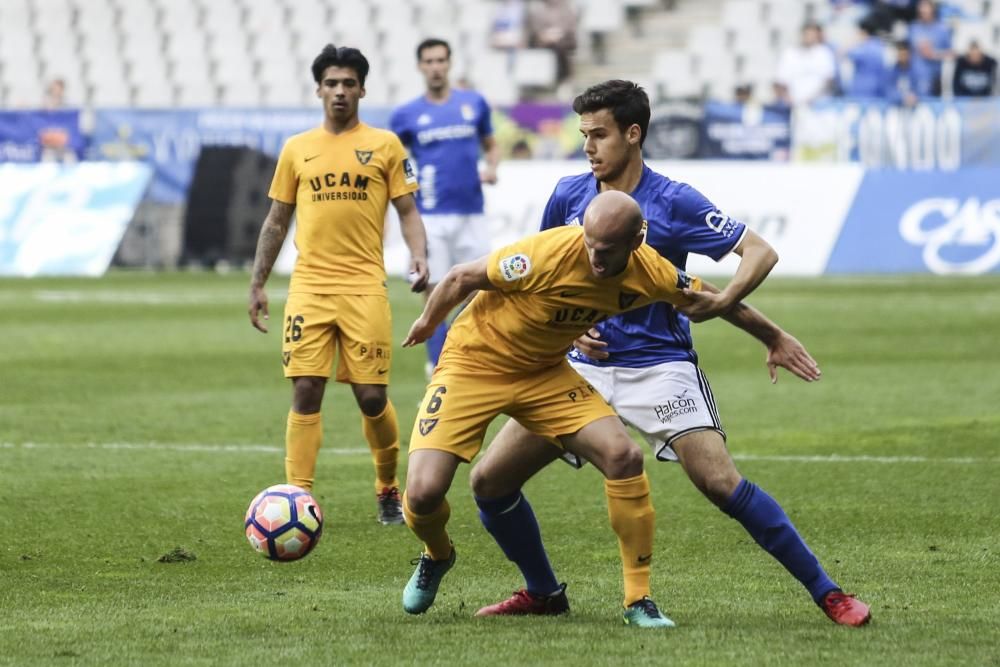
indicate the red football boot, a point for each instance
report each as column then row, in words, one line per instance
column 844, row 609
column 523, row 603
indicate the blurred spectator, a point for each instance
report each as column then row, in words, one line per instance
column 885, row 13
column 521, row 150
column 975, row 73
column 930, row 40
column 55, row 95
column 552, row 25
column 806, row 72
column 902, row 85
column 868, row 59
column 507, row 32
column 743, row 93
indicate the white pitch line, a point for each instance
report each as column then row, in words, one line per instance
column 346, row 451
column 156, row 446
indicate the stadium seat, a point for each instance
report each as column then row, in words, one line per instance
column 601, row 16
column 110, row 93
column 966, row 32
column 197, row 94
column 535, row 68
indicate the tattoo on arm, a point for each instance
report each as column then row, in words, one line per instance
column 272, row 237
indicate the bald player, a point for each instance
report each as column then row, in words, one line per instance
column 505, row 354
column 339, row 178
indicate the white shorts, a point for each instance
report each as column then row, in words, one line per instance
column 661, row 402
column 454, row 239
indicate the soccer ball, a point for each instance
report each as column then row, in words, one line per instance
column 283, row 522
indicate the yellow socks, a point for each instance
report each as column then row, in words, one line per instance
column 382, row 434
column 632, row 519
column 302, row 440
column 430, row 528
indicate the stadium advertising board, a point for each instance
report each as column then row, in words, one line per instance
column 745, row 132
column 908, row 223
column 934, row 135
column 172, row 139
column 30, row 136
column 66, row 219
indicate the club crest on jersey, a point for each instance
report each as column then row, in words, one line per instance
column 424, row 119
column 468, row 113
column 626, row 299
column 683, row 280
column 363, row 156
column 427, row 425
column 515, row 267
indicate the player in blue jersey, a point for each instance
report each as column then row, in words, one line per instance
column 446, row 129
column 644, row 364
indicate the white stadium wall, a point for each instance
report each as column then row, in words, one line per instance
column 820, row 218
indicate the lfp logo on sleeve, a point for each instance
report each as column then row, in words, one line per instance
column 515, row 267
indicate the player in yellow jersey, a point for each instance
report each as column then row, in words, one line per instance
column 505, row 355
column 339, row 179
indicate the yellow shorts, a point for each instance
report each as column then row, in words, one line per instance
column 357, row 327
column 460, row 404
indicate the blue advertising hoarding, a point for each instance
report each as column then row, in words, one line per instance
column 939, row 222
column 171, row 140
column 26, row 136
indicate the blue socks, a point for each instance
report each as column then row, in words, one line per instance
column 771, row 528
column 511, row 522
column 436, row 342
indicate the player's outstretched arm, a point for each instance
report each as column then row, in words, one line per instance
column 454, row 288
column 783, row 349
column 272, row 237
column 416, row 240
column 757, row 258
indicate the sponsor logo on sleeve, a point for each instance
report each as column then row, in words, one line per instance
column 515, row 267
column 721, row 223
column 363, row 156
column 408, row 173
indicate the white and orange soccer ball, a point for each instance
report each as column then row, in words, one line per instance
column 283, row 522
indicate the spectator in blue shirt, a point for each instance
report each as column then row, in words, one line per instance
column 901, row 87
column 930, row 40
column 868, row 59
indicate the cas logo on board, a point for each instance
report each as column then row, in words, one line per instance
column 958, row 237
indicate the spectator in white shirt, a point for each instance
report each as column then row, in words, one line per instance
column 806, row 72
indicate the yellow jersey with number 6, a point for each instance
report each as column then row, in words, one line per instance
column 341, row 185
column 546, row 297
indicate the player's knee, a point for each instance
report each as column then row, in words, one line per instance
column 485, row 485
column 372, row 405
column 624, row 460
column 423, row 496
column 307, row 394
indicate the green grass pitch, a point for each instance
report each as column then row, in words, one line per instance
column 141, row 412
